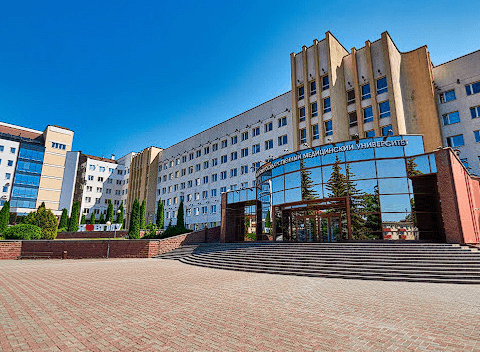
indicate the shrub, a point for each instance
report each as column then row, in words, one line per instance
column 151, row 230
column 4, row 216
column 23, row 232
column 174, row 231
column 63, row 219
column 47, row 222
column 63, row 229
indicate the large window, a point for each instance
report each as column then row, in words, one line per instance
column 315, row 134
column 366, row 91
column 303, row 135
column 328, row 128
column 369, row 134
column 255, row 148
column 451, row 118
column 282, row 121
column 268, row 127
column 256, row 131
column 325, row 82
column 301, row 114
column 326, row 105
column 367, row 114
column 351, row 97
column 282, row 140
column 455, row 141
column 384, row 108
column 472, row 88
column 387, row 130
column 301, row 93
column 475, row 112
column 382, row 85
column 352, row 117
column 269, row 144
column 314, row 109
column 313, row 88
column 477, row 136
column 447, row 96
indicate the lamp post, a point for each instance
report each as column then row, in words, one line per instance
column 108, row 248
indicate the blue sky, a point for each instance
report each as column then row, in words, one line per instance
column 127, row 75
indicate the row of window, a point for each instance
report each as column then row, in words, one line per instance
column 382, row 87
column 470, row 89
column 102, row 169
column 386, row 130
column 109, row 180
column 193, row 212
column 454, row 117
column 233, row 140
column 12, row 150
column 58, row 146
column 9, row 162
column 97, row 201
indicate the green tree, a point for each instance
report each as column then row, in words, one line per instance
column 134, row 227
column 336, row 184
column 4, row 216
column 306, row 182
column 63, row 219
column 160, row 214
column 180, row 216
column 74, row 216
column 92, row 219
column 412, row 168
column 142, row 215
column 110, row 211
column 41, row 205
column 373, row 224
column 120, row 215
column 47, row 221
column 102, row 219
column 268, row 221
column 31, row 218
column 83, row 221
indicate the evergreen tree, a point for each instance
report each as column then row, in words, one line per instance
column 142, row 215
column 134, row 227
column 373, row 223
column 63, row 224
column 412, row 168
column 31, row 218
column 120, row 215
column 268, row 221
column 160, row 214
column 110, row 211
column 92, row 219
column 83, row 221
column 47, row 221
column 336, row 184
column 73, row 222
column 180, row 217
column 306, row 183
column 4, row 216
column 42, row 205
column 102, row 219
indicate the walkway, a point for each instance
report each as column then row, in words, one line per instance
column 164, row 305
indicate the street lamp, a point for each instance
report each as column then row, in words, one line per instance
column 108, row 248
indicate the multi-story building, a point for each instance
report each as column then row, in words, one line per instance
column 458, row 97
column 224, row 157
column 94, row 181
column 143, row 175
column 33, row 165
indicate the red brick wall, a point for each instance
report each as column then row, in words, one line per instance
column 90, row 234
column 10, row 249
column 169, row 244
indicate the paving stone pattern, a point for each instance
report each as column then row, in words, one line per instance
column 165, row 305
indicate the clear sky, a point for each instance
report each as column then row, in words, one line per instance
column 125, row 75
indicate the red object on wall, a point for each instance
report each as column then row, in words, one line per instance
column 89, row 227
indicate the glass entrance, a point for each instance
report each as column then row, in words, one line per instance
column 314, row 227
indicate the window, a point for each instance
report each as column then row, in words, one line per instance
column 301, row 114
column 328, row 128
column 214, row 177
column 301, row 93
column 244, row 136
column 170, row 176
column 1, row 148
column 369, row 134
column 244, row 169
column 233, row 172
column 445, row 97
column 314, row 109
column 451, row 118
column 223, row 175
column 268, row 127
column 205, row 179
column 352, row 117
column 171, row 162
column 475, row 112
column 244, row 185
column 326, row 105
column 255, row 148
column 190, row 169
column 223, row 189
column 233, row 187
column 282, row 121
column 206, row 150
column 199, row 153
column 205, row 165
column 119, row 182
column 177, row 174
column 256, row 165
column 182, row 185
column 223, row 159
column 213, row 209
column 233, row 156
column 117, row 192
column 366, row 91
column 224, row 143
column 5, row 189
column 184, row 159
column 100, row 179
column 88, row 199
column 269, row 144
column 387, row 130
column 91, row 167
column 282, row 140
column 472, row 88
column 303, row 135
column 244, row 152
column 204, row 210
column 197, row 196
column 89, row 188
column 54, row 145
column 214, row 162
column 90, row 177
column 313, row 87
column 256, row 131
column 315, row 134
column 384, row 108
column 455, row 141
column 7, row 176
column 184, row 172
column 190, row 156
column 213, row 192
column 99, row 189
column 351, row 97
column 325, row 83
column 197, row 181
column 382, row 85
column 234, row 140
column 367, row 114
column 215, row 147
column 205, row 194
column 108, row 191
column 477, row 136
column 465, row 162
column 190, row 183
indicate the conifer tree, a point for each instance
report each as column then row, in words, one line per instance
column 63, row 224
column 47, row 221
column 102, row 219
column 134, row 227
column 4, row 216
column 83, row 221
column 110, row 211
column 268, row 221
column 73, row 222
column 160, row 214
column 180, row 217
column 41, row 205
column 142, row 215
column 336, row 184
column 92, row 219
column 306, row 183
column 120, row 215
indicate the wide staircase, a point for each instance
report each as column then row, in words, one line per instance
column 421, row 262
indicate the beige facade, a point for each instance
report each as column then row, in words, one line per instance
column 142, row 182
column 372, row 91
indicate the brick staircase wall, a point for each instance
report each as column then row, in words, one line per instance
column 10, row 249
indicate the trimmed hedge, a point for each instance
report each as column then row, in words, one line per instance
column 23, row 232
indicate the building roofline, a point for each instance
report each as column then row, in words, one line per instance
column 460, row 57
column 100, row 158
column 20, row 128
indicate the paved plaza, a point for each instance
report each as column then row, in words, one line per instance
column 163, row 305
